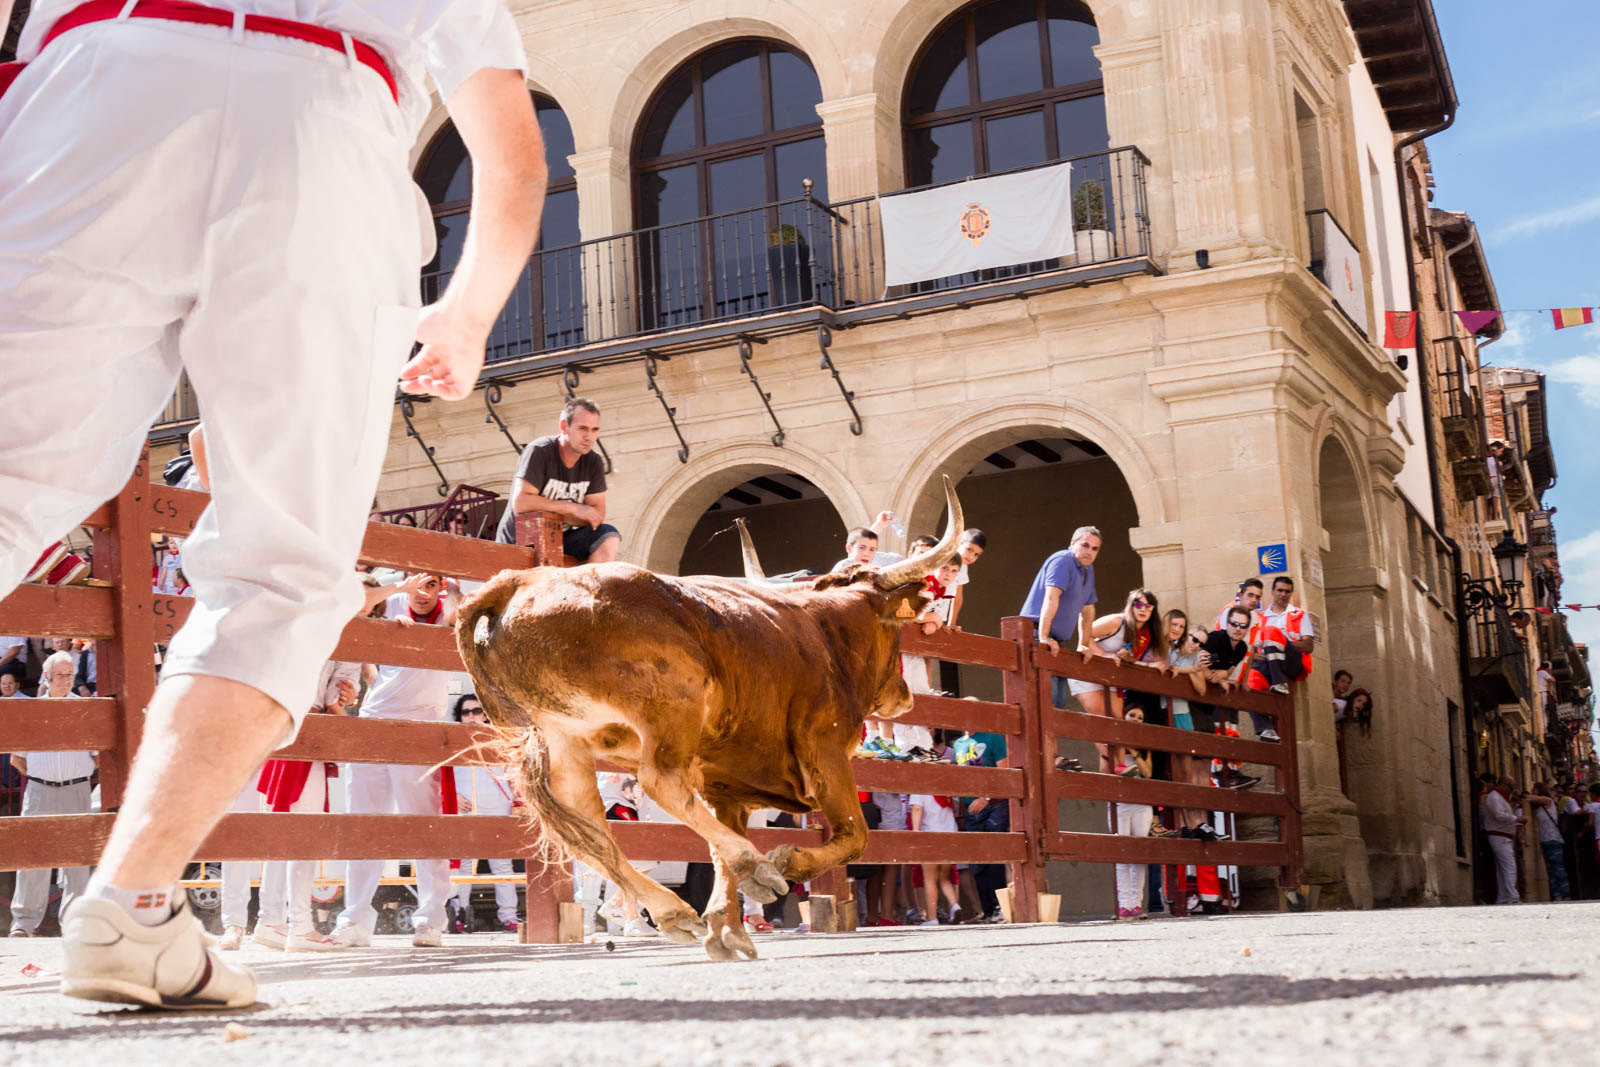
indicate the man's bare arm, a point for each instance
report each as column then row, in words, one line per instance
column 1047, row 617
column 525, row 498
column 20, row 764
column 493, row 113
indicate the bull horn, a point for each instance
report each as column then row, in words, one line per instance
column 919, row 567
column 752, row 565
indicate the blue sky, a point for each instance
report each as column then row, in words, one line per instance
column 1523, row 159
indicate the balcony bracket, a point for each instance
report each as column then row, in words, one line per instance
column 650, row 360
column 824, row 339
column 408, row 408
column 766, row 397
column 491, row 397
column 569, row 387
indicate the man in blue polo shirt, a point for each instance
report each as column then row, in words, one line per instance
column 1062, row 598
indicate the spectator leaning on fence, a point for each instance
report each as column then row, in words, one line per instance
column 563, row 475
column 1062, row 600
column 58, row 783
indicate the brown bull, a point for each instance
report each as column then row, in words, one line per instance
column 722, row 696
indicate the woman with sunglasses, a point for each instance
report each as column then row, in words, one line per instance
column 1113, row 636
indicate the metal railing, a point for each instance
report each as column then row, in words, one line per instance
column 1456, row 397
column 478, row 508
column 784, row 255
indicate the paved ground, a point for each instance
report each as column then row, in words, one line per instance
column 1440, row 986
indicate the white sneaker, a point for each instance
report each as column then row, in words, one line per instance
column 268, row 936
column 1270, row 735
column 313, row 942
column 231, row 938
column 352, row 936
column 929, row 922
column 610, row 913
column 108, row 955
column 426, row 937
column 638, row 928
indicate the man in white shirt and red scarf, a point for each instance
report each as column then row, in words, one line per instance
column 1501, row 822
column 224, row 189
column 395, row 789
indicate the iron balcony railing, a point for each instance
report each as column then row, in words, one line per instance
column 739, row 265
column 1456, row 397
column 785, row 255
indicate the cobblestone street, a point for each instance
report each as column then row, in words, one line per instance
column 1426, row 986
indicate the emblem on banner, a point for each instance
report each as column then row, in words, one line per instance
column 974, row 223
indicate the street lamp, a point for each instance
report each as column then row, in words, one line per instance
column 1511, row 556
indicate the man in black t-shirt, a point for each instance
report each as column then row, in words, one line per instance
column 562, row 474
column 1224, row 650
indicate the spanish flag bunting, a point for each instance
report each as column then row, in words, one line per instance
column 1400, row 329
column 1565, row 317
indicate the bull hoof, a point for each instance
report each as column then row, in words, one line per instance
column 764, row 884
column 782, row 858
column 719, row 952
column 682, row 928
column 737, row 942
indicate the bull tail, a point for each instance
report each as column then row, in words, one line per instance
column 477, row 626
column 562, row 832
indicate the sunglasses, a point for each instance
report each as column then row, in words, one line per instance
column 1238, row 625
column 1142, row 604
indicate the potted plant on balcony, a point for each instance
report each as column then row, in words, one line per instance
column 1090, row 235
column 789, row 264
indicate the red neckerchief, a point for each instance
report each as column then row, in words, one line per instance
column 432, row 616
column 1141, row 643
column 938, row 591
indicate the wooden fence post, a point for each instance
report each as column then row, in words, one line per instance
column 126, row 666
column 541, row 531
column 1022, row 687
column 549, row 886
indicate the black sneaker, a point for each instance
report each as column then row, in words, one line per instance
column 1211, row 907
column 1244, row 781
column 1186, row 833
column 1205, row 832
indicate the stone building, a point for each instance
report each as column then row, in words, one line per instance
column 1199, row 375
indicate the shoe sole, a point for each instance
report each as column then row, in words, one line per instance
column 115, row 991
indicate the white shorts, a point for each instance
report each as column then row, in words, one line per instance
column 171, row 200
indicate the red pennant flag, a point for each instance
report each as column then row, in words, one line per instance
column 1400, row 329
column 1573, row 607
column 1565, row 317
column 1476, row 320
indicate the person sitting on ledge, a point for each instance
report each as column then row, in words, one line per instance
column 561, row 474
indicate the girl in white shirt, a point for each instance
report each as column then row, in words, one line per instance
column 935, row 815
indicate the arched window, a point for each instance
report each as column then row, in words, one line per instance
column 719, row 161
column 545, row 310
column 1004, row 84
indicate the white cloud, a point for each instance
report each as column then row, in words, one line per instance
column 1560, row 218
column 1582, row 372
column 1582, row 550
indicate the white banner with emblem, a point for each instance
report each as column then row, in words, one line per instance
column 977, row 225
column 1342, row 268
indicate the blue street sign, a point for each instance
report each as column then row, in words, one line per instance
column 1272, row 559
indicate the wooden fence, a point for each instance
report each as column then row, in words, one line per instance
column 126, row 619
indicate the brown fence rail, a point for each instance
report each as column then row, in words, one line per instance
column 127, row 620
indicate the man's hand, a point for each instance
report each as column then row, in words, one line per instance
column 930, row 627
column 587, row 514
column 347, row 694
column 413, row 583
column 463, row 805
column 451, row 356
column 406, row 621
column 978, row 804
column 1051, row 643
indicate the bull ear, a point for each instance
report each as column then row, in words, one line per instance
column 905, row 604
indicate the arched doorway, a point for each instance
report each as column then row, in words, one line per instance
column 794, row 525
column 1350, row 630
column 1027, row 489
column 545, row 310
column 719, row 162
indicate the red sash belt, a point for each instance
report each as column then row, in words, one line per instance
column 182, row 11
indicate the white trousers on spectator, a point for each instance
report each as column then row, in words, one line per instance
column 31, row 897
column 1505, row 869
column 236, row 876
column 251, row 222
column 288, row 882
column 505, row 893
column 1133, row 820
column 384, row 789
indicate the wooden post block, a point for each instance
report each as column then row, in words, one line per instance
column 1004, row 897
column 824, row 914
column 1049, row 907
column 849, row 917
column 541, row 531
column 569, row 923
